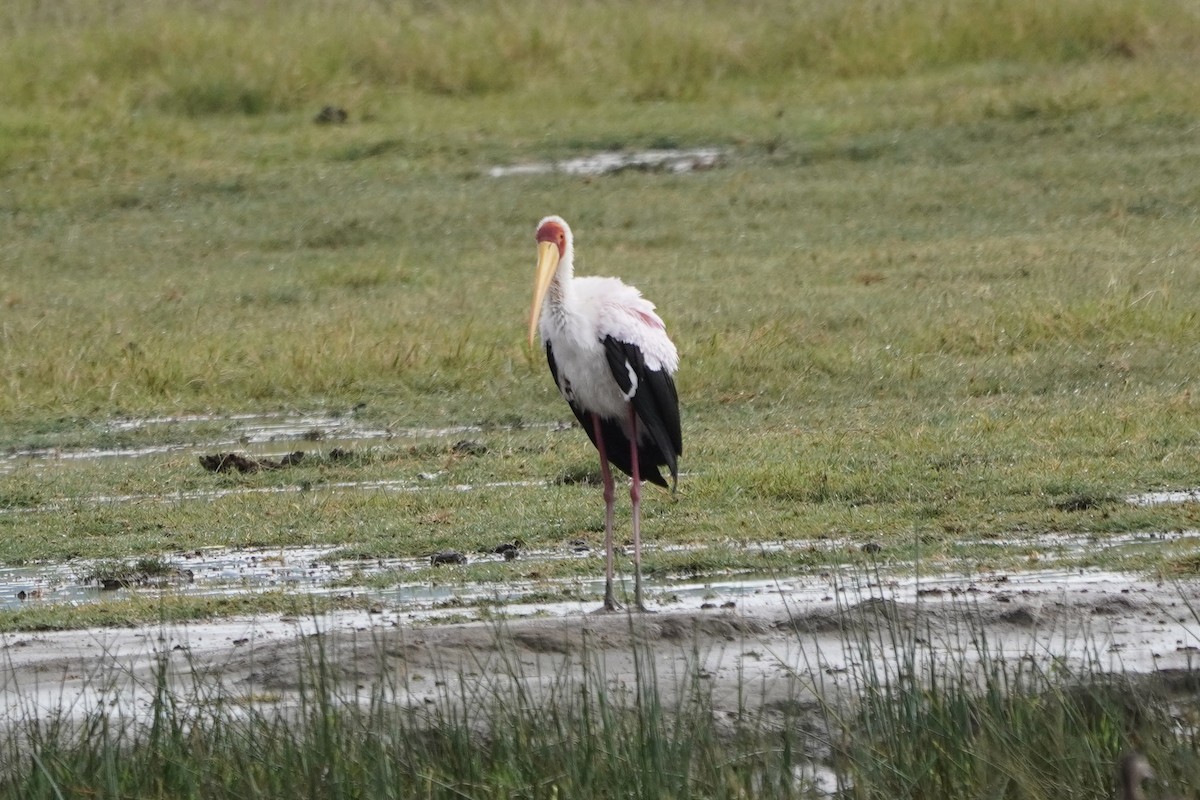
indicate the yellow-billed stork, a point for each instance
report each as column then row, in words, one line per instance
column 613, row 363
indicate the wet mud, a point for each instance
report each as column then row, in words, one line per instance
column 776, row 650
column 236, row 462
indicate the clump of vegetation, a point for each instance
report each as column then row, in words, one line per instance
column 144, row 571
column 983, row 722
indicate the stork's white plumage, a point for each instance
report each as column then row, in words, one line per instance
column 614, row 364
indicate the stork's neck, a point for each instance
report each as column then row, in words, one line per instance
column 561, row 293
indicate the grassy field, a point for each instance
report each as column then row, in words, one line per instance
column 942, row 288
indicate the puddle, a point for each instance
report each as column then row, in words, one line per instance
column 1164, row 498
column 219, row 571
column 610, row 163
column 1065, row 545
column 210, row 572
column 224, row 572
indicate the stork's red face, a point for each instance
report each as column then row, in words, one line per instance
column 552, row 231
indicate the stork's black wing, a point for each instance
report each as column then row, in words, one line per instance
column 656, row 403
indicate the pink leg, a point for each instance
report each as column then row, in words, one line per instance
column 610, row 601
column 635, row 499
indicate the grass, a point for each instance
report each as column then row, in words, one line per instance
column 1021, row 730
column 941, row 287
column 251, row 60
column 142, row 609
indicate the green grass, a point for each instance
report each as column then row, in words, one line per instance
column 930, row 726
column 140, row 609
column 943, row 283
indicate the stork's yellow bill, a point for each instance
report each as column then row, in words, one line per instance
column 547, row 265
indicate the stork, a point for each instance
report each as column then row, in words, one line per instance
column 613, row 363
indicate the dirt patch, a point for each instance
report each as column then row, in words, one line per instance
column 236, row 462
column 397, row 652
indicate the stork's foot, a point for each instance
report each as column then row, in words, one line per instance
column 638, row 597
column 610, row 604
column 640, row 605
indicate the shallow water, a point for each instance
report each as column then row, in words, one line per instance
column 218, row 571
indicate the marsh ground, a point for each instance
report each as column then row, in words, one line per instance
column 779, row 643
column 935, row 299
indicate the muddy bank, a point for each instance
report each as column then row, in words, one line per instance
column 769, row 652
